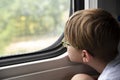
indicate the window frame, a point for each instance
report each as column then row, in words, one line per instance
column 54, row 50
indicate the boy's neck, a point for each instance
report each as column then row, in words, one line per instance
column 98, row 65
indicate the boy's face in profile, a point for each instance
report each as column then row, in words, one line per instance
column 74, row 54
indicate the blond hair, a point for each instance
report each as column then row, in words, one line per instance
column 94, row 30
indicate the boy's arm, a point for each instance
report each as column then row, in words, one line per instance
column 84, row 77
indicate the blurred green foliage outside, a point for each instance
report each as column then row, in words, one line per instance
column 28, row 19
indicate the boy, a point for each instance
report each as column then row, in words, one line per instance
column 92, row 37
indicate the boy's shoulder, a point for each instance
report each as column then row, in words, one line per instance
column 112, row 70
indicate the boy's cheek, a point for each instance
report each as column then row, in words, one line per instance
column 74, row 58
column 74, row 55
column 71, row 57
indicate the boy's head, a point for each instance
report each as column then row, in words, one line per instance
column 94, row 30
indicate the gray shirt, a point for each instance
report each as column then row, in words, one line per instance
column 112, row 70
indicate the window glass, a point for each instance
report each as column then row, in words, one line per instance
column 30, row 25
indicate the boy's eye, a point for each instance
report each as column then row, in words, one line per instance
column 65, row 44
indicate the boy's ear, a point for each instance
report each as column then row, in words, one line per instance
column 85, row 56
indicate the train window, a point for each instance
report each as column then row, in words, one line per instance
column 30, row 25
